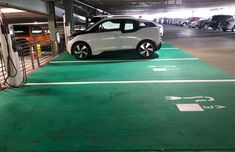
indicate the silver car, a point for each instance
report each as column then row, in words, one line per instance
column 227, row 25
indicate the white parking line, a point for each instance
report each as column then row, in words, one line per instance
column 169, row 48
column 133, row 82
column 105, row 61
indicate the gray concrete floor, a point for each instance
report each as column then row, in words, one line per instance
column 214, row 47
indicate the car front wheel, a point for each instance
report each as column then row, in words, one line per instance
column 233, row 29
column 184, row 24
column 81, row 50
column 214, row 28
column 146, row 49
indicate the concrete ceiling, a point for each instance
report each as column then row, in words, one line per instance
column 123, row 7
column 133, row 7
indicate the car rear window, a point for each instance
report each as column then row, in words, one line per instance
column 146, row 24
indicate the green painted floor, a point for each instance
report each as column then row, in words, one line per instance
column 120, row 117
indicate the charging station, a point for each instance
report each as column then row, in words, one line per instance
column 14, row 72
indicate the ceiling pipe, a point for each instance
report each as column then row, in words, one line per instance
column 87, row 5
column 77, row 1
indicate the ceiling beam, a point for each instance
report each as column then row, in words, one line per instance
column 36, row 6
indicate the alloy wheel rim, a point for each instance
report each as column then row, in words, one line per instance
column 146, row 49
column 81, row 51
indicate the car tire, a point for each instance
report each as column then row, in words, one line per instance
column 146, row 48
column 206, row 26
column 214, row 28
column 199, row 27
column 184, row 24
column 225, row 30
column 233, row 29
column 81, row 50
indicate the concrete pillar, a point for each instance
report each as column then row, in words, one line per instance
column 53, row 27
column 11, row 59
column 69, row 10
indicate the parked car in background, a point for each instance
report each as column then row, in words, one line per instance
column 186, row 22
column 193, row 22
column 203, row 24
column 227, row 25
column 217, row 19
column 115, row 34
column 178, row 23
column 175, row 21
column 29, row 32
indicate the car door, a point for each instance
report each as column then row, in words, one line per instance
column 129, row 37
column 105, row 36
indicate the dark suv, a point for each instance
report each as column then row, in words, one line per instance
column 217, row 19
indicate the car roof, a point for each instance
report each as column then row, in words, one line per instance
column 126, row 18
column 222, row 16
column 118, row 18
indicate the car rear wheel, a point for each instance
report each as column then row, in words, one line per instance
column 146, row 49
column 206, row 26
column 224, row 29
column 81, row 50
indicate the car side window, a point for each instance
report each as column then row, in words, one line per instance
column 108, row 26
column 129, row 26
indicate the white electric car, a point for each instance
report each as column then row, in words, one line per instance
column 161, row 30
column 115, row 34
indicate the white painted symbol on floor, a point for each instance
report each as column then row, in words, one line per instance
column 164, row 68
column 189, row 107
column 195, row 98
column 214, row 107
column 160, row 69
column 194, row 106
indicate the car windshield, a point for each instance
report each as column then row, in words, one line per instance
column 93, row 21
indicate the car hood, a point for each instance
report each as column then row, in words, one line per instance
column 79, row 33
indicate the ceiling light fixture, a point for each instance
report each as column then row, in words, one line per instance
column 11, row 10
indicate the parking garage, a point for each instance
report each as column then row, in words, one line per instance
column 173, row 92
